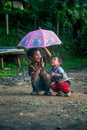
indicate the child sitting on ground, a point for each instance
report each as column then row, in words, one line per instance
column 36, row 71
column 59, row 79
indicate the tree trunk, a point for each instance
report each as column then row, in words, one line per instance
column 57, row 27
column 7, row 25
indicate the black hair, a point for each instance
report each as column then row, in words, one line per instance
column 59, row 59
column 30, row 52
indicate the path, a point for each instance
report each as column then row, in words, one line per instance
column 19, row 110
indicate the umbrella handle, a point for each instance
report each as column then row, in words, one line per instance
column 42, row 61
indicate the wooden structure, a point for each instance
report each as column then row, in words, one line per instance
column 11, row 53
column 21, row 4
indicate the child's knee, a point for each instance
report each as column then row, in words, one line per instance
column 47, row 77
column 64, row 84
column 35, row 81
column 54, row 86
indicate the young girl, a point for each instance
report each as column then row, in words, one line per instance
column 59, row 79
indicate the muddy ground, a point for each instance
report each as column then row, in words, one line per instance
column 20, row 111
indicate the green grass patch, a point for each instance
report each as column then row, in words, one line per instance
column 68, row 65
column 11, row 70
column 72, row 64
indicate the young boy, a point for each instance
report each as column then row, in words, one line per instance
column 59, row 79
column 36, row 71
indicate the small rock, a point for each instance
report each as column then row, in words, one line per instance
column 49, row 111
column 66, row 115
column 20, row 73
column 58, row 114
column 21, row 114
column 58, row 128
column 29, row 123
column 37, row 104
column 20, row 83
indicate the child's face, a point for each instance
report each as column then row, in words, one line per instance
column 54, row 62
column 37, row 56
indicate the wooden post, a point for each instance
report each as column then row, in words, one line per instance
column 2, row 62
column 57, row 27
column 19, row 61
column 7, row 25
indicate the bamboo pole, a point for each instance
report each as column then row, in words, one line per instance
column 7, row 25
column 57, row 27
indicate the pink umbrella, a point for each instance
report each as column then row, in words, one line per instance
column 40, row 38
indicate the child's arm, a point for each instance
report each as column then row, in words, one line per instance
column 47, row 52
column 55, row 74
column 35, row 73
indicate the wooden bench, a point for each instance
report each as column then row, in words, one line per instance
column 11, row 53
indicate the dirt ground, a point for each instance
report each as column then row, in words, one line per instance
column 20, row 111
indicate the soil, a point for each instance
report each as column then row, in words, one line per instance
column 20, row 111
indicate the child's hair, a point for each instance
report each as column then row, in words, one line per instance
column 59, row 59
column 30, row 52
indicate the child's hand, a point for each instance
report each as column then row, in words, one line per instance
column 53, row 74
column 42, row 64
column 47, row 76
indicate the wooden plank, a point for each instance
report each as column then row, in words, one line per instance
column 12, row 51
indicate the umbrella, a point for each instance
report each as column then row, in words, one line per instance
column 40, row 38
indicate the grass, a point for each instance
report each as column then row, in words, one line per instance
column 68, row 65
column 75, row 63
column 13, row 70
column 72, row 64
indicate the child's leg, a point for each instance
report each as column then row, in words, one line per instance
column 55, row 87
column 45, row 83
column 36, row 84
column 64, row 86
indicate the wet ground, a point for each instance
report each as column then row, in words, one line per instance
column 20, row 111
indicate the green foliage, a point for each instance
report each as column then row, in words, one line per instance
column 13, row 70
column 71, row 64
column 68, row 65
column 7, row 6
column 10, row 40
column 74, row 63
column 71, row 16
column 72, row 19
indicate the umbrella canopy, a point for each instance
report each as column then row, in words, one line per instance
column 40, row 38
